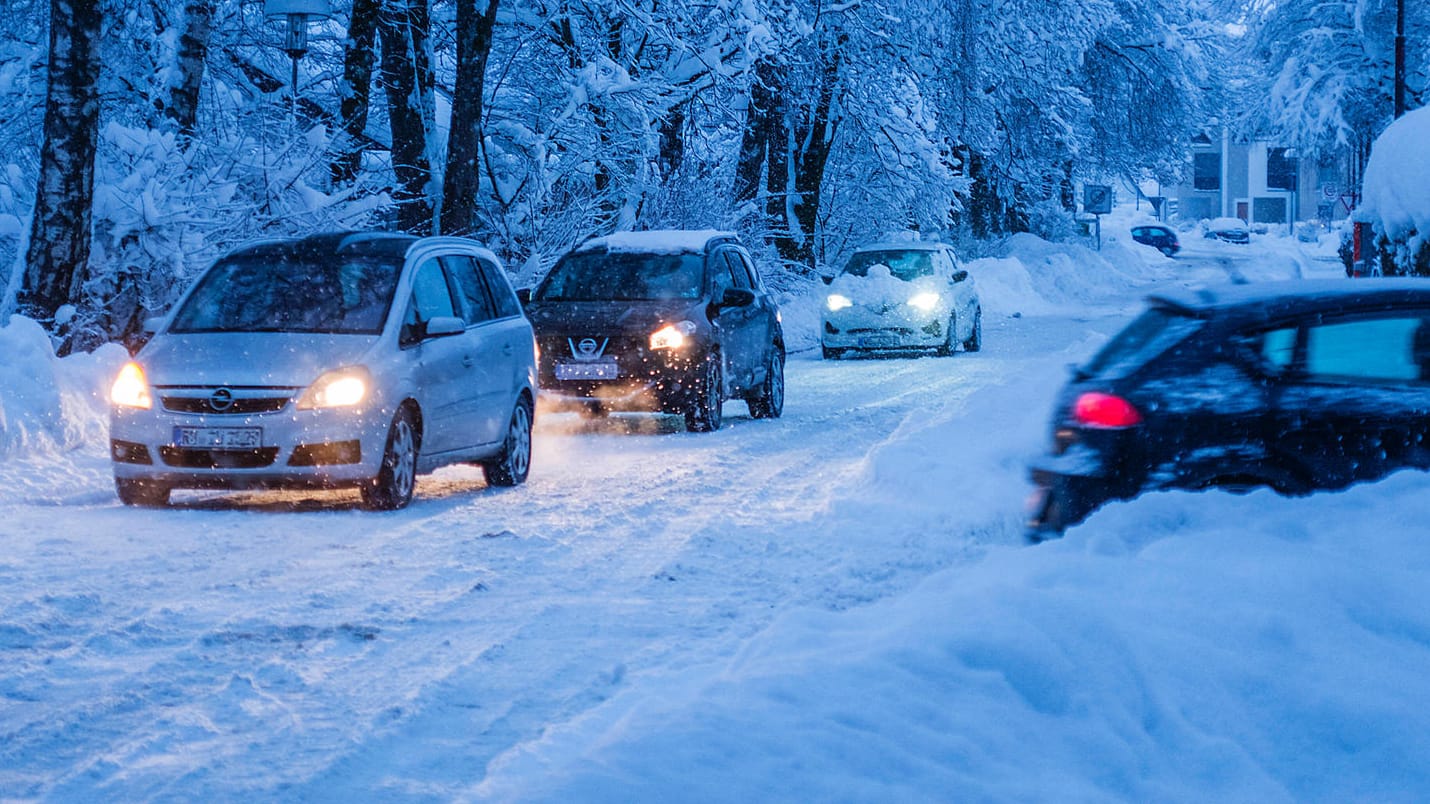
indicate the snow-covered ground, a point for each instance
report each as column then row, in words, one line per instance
column 832, row 605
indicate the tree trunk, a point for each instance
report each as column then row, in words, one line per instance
column 754, row 142
column 183, row 106
column 359, row 55
column 406, row 76
column 462, row 181
column 58, row 256
column 809, row 170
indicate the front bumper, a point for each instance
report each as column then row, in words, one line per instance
column 329, row 448
column 644, row 379
column 897, row 327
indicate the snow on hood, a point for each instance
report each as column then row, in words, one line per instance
column 1397, row 178
column 249, row 358
column 880, row 286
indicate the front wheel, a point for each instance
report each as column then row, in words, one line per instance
column 397, row 476
column 513, row 463
column 144, row 493
column 768, row 402
column 975, row 339
column 703, row 415
column 946, row 348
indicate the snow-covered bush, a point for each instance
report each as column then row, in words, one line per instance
column 1397, row 195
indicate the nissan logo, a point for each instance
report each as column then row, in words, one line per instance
column 587, row 350
column 221, row 400
column 587, row 346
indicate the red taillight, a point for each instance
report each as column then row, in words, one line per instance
column 1093, row 409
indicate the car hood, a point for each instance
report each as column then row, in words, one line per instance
column 274, row 359
column 883, row 288
column 556, row 318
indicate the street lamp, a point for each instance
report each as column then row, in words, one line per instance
column 296, row 14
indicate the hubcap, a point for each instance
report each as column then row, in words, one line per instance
column 777, row 382
column 519, row 439
column 404, row 458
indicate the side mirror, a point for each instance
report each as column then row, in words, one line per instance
column 152, row 324
column 959, row 275
column 737, row 297
column 443, row 326
column 523, row 295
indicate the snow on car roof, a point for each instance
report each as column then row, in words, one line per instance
column 1304, row 292
column 661, row 241
column 903, row 245
column 1226, row 223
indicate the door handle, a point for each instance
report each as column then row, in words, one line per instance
column 468, row 361
column 506, row 349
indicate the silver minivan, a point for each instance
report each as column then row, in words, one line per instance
column 338, row 360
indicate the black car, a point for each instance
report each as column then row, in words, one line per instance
column 1157, row 236
column 661, row 321
column 1297, row 386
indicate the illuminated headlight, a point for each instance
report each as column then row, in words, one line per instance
column 336, row 389
column 672, row 336
column 131, row 389
column 924, row 301
column 837, row 302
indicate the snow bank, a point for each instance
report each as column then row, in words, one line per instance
column 1169, row 649
column 1035, row 277
column 1397, row 179
column 48, row 403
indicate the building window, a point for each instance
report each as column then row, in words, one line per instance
column 1206, row 171
column 1280, row 169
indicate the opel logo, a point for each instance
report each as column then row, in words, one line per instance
column 221, row 400
column 587, row 347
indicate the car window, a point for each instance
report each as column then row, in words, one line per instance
column 1149, row 335
column 737, row 269
column 499, row 288
column 431, row 297
column 623, row 276
column 1392, row 350
column 471, row 289
column 291, row 292
column 905, row 264
column 1278, row 348
column 720, row 277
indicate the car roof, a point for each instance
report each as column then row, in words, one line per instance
column 381, row 243
column 1266, row 300
column 905, row 245
column 657, row 241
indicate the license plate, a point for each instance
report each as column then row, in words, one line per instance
column 877, row 341
column 219, row 437
column 587, row 371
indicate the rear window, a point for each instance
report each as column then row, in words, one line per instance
column 1148, row 336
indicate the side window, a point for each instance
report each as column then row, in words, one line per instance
column 1377, row 350
column 501, row 292
column 720, row 278
column 431, row 297
column 471, row 288
column 1278, row 348
column 737, row 269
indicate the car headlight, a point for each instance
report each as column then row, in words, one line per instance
column 924, row 301
column 131, row 389
column 672, row 336
column 837, row 301
column 336, row 389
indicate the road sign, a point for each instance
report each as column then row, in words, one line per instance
column 1097, row 199
column 1330, row 191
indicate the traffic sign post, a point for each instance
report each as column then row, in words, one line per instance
column 1097, row 199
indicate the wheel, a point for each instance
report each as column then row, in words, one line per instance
column 830, row 353
column 946, row 348
column 146, row 493
column 397, row 476
column 768, row 401
column 1167, row 251
column 703, row 415
column 512, row 464
column 975, row 340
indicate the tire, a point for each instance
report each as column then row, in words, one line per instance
column 946, row 348
column 768, row 401
column 397, row 476
column 975, row 340
column 145, row 493
column 513, row 463
column 704, row 412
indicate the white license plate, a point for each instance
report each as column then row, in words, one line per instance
column 219, row 437
column 878, row 341
column 587, row 371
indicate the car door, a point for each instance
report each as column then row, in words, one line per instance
column 442, row 365
column 743, row 325
column 1358, row 403
column 486, row 406
column 965, row 300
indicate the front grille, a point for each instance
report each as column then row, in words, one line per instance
column 198, row 458
column 628, row 352
column 240, row 405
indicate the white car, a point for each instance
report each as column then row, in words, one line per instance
column 901, row 296
column 343, row 360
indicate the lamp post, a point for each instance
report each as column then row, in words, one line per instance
column 296, row 14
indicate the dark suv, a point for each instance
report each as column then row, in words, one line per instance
column 1293, row 385
column 1157, row 236
column 663, row 321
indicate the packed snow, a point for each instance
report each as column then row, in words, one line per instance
column 1397, row 179
column 835, row 605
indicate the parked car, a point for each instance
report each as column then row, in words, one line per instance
column 1230, row 230
column 1296, row 386
column 330, row 361
column 662, row 321
column 901, row 297
column 1157, row 236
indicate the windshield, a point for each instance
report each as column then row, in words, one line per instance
column 291, row 293
column 623, row 276
column 1149, row 335
column 905, row 265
